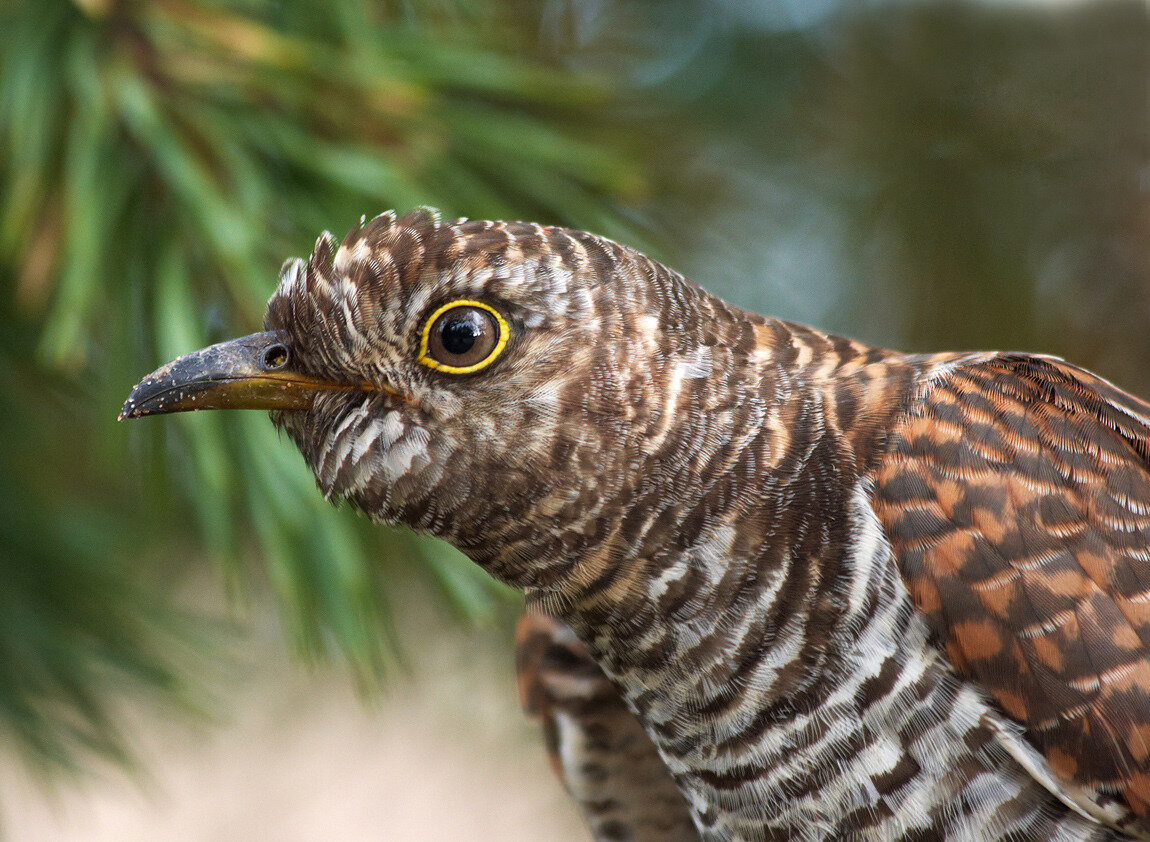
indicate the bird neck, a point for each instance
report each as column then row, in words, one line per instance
column 743, row 457
column 749, row 609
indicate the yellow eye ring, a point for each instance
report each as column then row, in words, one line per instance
column 463, row 342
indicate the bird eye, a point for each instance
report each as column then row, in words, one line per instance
column 462, row 337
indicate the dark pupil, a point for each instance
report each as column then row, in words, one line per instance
column 459, row 334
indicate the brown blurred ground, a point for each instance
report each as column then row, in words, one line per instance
column 445, row 754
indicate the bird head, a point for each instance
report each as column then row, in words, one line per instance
column 495, row 384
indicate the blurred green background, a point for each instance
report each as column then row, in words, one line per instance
column 922, row 175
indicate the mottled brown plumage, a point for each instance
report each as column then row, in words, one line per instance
column 847, row 593
column 1017, row 499
column 598, row 749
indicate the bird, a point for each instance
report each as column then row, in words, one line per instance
column 844, row 592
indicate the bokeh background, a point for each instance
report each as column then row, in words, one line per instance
column 193, row 645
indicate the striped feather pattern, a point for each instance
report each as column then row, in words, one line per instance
column 848, row 594
column 597, row 747
column 1017, row 497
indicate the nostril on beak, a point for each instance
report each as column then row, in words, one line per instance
column 275, row 357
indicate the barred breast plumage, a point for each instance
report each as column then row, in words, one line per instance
column 598, row 749
column 847, row 593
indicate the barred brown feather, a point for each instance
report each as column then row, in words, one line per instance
column 1016, row 494
column 597, row 747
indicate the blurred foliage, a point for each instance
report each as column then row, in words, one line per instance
column 77, row 622
column 158, row 160
column 997, row 157
column 924, row 174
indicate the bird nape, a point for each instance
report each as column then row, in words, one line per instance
column 847, row 593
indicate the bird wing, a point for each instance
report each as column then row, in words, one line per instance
column 1015, row 493
column 596, row 745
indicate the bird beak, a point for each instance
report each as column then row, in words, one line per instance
column 252, row 372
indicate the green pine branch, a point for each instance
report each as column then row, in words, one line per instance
column 158, row 161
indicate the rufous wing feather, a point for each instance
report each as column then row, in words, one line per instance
column 1015, row 493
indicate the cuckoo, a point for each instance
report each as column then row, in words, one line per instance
column 781, row 584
